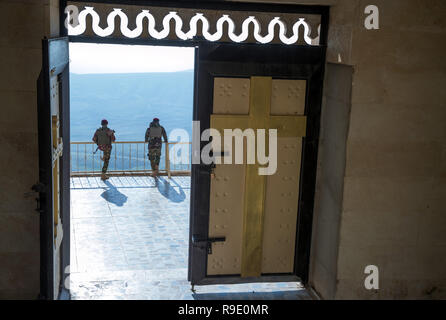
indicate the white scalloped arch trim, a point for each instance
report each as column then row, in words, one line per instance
column 145, row 14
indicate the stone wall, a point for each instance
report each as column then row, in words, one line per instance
column 23, row 24
column 394, row 190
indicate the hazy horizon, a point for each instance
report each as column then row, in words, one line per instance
column 101, row 58
column 129, row 101
column 106, row 73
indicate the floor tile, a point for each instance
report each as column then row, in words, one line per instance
column 129, row 240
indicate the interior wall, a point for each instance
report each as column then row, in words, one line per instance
column 393, row 207
column 395, row 179
column 23, row 24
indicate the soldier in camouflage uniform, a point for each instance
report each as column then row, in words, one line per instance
column 104, row 137
column 153, row 137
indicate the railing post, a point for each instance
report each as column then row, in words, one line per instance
column 167, row 160
column 130, row 156
column 77, row 158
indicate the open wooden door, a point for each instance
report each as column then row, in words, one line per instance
column 54, row 168
column 247, row 227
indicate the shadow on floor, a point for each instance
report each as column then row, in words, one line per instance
column 168, row 191
column 274, row 295
column 113, row 195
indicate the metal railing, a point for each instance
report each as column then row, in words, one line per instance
column 129, row 158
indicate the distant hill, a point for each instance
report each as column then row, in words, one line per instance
column 129, row 102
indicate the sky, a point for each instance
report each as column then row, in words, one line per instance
column 114, row 58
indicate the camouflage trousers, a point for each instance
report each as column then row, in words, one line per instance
column 154, row 157
column 106, row 159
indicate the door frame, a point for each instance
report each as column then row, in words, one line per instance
column 310, row 150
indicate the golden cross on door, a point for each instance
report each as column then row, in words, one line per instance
column 259, row 117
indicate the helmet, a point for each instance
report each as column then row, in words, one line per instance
column 104, row 121
column 156, row 119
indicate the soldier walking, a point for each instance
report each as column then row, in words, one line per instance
column 104, row 137
column 153, row 136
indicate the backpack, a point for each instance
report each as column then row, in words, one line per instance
column 155, row 132
column 103, row 137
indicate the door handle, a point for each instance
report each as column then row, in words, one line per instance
column 209, row 168
column 197, row 240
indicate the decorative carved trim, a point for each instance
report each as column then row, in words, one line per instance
column 77, row 25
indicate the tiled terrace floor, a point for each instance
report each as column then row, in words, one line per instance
column 129, row 240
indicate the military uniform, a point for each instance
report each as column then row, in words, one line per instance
column 104, row 137
column 153, row 137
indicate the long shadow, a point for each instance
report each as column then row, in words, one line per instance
column 273, row 295
column 165, row 188
column 113, row 195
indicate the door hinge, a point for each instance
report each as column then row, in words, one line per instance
column 207, row 168
column 196, row 241
column 39, row 188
